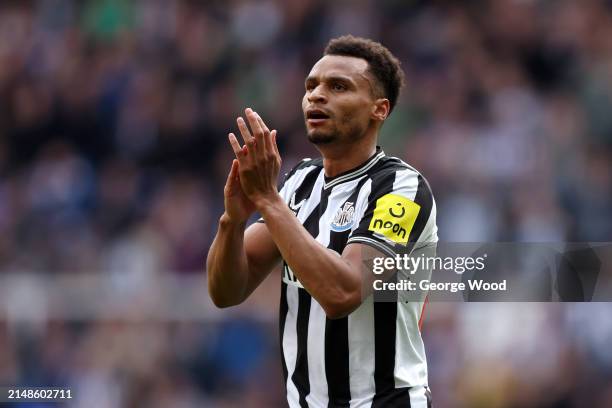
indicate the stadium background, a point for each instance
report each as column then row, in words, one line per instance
column 113, row 155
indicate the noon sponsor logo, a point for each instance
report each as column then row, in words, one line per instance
column 394, row 217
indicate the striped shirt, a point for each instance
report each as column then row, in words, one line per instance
column 374, row 357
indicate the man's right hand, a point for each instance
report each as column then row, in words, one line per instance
column 238, row 208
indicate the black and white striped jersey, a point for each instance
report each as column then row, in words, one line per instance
column 375, row 356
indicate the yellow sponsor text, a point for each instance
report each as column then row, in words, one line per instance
column 394, row 217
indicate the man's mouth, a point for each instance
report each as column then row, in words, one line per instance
column 316, row 117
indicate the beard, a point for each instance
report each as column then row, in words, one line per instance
column 349, row 133
column 317, row 137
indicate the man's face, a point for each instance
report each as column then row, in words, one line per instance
column 338, row 101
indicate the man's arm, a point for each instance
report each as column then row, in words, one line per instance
column 238, row 261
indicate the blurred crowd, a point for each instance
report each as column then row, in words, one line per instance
column 114, row 117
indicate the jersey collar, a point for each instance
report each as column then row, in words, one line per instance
column 356, row 172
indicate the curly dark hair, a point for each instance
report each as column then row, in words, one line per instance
column 382, row 64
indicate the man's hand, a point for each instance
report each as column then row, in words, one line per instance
column 238, row 207
column 259, row 160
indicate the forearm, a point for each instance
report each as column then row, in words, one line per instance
column 227, row 266
column 322, row 271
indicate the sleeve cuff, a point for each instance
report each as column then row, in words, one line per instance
column 373, row 243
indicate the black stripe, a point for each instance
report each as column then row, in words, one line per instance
column 423, row 198
column 312, row 222
column 428, row 395
column 395, row 398
column 282, row 316
column 337, row 362
column 304, row 191
column 300, row 375
column 385, row 315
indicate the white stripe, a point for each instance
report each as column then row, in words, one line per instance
column 406, row 183
column 290, row 344
column 318, row 396
column 356, row 173
column 418, row 399
column 361, row 354
column 410, row 365
column 410, row 361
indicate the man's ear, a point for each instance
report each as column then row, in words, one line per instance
column 381, row 109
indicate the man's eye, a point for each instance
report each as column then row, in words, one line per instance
column 338, row 87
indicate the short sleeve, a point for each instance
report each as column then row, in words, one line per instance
column 397, row 215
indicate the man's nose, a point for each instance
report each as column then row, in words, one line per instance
column 317, row 95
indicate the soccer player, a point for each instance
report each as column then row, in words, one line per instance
column 340, row 347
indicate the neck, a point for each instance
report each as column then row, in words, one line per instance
column 338, row 159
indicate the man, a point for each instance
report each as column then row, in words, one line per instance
column 332, row 216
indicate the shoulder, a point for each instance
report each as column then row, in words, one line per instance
column 392, row 174
column 390, row 165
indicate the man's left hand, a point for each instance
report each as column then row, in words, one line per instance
column 259, row 159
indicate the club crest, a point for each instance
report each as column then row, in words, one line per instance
column 343, row 220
